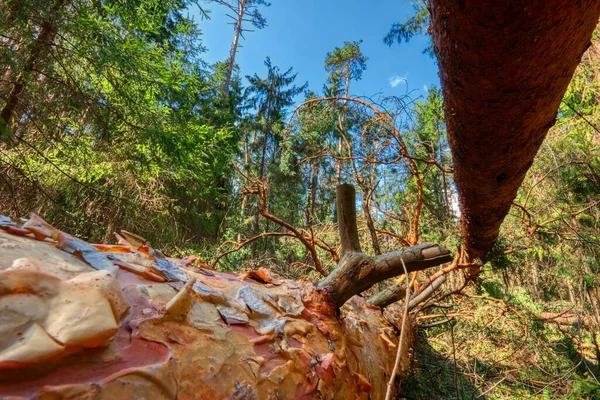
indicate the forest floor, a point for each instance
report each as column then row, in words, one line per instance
column 496, row 345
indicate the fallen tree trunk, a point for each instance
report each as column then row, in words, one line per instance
column 125, row 321
column 504, row 67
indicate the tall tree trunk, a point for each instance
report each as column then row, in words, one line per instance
column 366, row 205
column 504, row 67
column 261, row 176
column 246, row 171
column 263, row 156
column 315, row 187
column 312, row 196
column 234, row 45
column 342, row 120
column 39, row 49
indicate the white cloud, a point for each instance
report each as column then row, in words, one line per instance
column 397, row 79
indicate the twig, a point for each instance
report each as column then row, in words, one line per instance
column 580, row 115
column 454, row 359
column 390, row 385
column 492, row 387
column 259, row 189
column 246, row 242
column 431, row 325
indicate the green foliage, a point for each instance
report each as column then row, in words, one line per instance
column 123, row 128
column 345, row 64
column 122, row 125
column 417, row 24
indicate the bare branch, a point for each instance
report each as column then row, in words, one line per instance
column 247, row 242
column 357, row 271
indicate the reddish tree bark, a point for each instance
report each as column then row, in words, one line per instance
column 504, row 67
column 39, row 49
column 125, row 321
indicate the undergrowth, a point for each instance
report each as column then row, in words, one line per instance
column 497, row 347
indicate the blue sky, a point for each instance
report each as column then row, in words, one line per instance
column 301, row 32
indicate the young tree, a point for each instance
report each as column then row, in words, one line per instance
column 344, row 65
column 270, row 97
column 241, row 11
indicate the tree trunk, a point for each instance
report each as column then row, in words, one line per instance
column 341, row 121
column 234, row 46
column 246, row 170
column 366, row 206
column 314, row 184
column 40, row 47
column 124, row 321
column 504, row 67
column 338, row 174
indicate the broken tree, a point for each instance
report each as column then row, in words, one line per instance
column 126, row 321
column 504, row 67
column 120, row 321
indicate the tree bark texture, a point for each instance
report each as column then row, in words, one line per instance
column 125, row 321
column 504, row 67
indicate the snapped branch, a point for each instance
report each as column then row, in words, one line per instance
column 356, row 271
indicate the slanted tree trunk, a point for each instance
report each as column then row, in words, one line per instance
column 504, row 67
column 124, row 321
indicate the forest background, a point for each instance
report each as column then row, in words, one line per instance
column 113, row 118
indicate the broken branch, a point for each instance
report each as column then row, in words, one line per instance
column 356, row 271
column 387, row 296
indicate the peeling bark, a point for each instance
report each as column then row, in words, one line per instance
column 504, row 67
column 124, row 321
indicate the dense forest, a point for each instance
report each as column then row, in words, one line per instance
column 110, row 119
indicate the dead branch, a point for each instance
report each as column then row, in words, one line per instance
column 394, row 235
column 357, row 271
column 259, row 189
column 395, row 292
column 387, row 296
column 425, row 294
column 384, row 117
column 431, row 325
column 389, row 392
column 247, row 242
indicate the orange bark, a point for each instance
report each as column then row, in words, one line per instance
column 504, row 67
column 125, row 321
